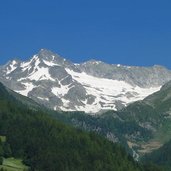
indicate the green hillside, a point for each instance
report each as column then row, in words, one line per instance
column 162, row 156
column 141, row 127
column 153, row 114
column 46, row 144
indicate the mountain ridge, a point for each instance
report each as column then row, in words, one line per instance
column 93, row 86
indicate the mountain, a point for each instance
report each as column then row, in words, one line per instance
column 141, row 127
column 45, row 144
column 92, row 87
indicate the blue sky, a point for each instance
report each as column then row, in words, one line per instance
column 126, row 32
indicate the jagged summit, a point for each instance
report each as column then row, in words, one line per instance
column 52, row 59
column 45, row 52
column 48, row 55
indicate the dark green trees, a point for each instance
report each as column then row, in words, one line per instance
column 46, row 144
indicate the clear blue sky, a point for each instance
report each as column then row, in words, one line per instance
column 131, row 32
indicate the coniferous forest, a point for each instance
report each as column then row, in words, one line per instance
column 45, row 144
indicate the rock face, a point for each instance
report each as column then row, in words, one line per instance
column 92, row 86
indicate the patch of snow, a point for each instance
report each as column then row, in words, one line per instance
column 50, row 63
column 53, row 57
column 8, row 78
column 28, row 65
column 21, row 79
column 28, row 87
column 41, row 98
column 64, row 78
column 65, row 102
column 108, row 91
column 41, row 74
column 76, row 64
column 11, row 67
column 61, row 91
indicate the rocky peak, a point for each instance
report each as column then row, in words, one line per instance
column 45, row 54
column 52, row 59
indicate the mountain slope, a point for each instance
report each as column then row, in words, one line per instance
column 46, row 144
column 152, row 114
column 92, row 86
column 162, row 156
column 141, row 127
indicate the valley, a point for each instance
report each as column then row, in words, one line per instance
column 120, row 107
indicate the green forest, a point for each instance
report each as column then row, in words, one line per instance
column 45, row 144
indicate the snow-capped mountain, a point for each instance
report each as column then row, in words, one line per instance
column 91, row 86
